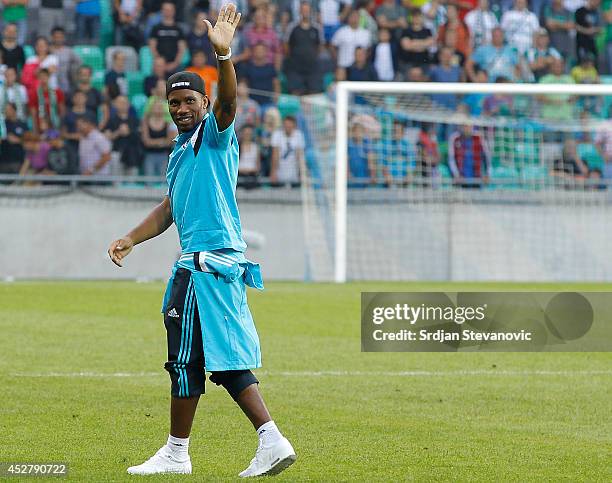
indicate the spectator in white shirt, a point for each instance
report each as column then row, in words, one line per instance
column 287, row 153
column 347, row 39
column 12, row 91
column 520, row 25
column 573, row 5
column 383, row 56
column 332, row 12
column 481, row 22
column 541, row 56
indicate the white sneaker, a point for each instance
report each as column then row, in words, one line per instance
column 271, row 460
column 161, row 462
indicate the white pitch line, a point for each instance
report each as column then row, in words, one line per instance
column 86, row 374
column 337, row 373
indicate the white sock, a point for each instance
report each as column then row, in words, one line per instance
column 178, row 446
column 269, row 433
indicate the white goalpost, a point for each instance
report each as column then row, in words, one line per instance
column 522, row 143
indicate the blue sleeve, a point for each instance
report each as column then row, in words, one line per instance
column 514, row 56
column 216, row 138
column 477, row 57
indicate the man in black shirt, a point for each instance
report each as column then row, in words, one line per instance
column 362, row 69
column 12, row 53
column 122, row 129
column 116, row 74
column 301, row 65
column 93, row 95
column 415, row 42
column 260, row 74
column 588, row 27
column 167, row 39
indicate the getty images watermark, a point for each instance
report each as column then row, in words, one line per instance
column 486, row 321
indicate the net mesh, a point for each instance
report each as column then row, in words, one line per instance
column 479, row 187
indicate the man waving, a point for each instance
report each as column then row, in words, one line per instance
column 208, row 322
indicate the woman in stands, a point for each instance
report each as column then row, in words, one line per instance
column 157, row 136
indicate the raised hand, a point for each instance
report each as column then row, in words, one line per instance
column 222, row 34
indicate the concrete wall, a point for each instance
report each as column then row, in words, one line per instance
column 67, row 236
column 433, row 235
column 481, row 242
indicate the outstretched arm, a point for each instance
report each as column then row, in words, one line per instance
column 221, row 36
column 158, row 221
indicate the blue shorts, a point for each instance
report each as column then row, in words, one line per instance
column 208, row 322
column 329, row 31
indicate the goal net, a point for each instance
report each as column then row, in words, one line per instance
column 422, row 181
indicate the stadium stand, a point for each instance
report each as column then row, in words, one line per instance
column 389, row 36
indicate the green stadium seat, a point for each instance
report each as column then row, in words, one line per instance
column 107, row 25
column 139, row 101
column 445, row 171
column 28, row 51
column 600, row 41
column 605, row 79
column 146, row 60
column 504, row 177
column 91, row 55
column 605, row 107
column 97, row 79
column 288, row 105
column 186, row 58
column 504, row 172
column 131, row 57
column 534, row 173
column 527, row 151
column 446, row 177
column 135, row 82
column 588, row 152
column 282, row 79
column 443, row 148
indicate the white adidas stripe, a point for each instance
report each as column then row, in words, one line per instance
column 223, row 255
column 218, row 260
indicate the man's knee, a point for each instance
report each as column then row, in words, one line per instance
column 234, row 382
column 187, row 380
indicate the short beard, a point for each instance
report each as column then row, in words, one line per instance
column 197, row 121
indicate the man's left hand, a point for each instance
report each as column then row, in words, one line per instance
column 222, row 34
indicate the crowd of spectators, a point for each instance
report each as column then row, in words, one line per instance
column 53, row 119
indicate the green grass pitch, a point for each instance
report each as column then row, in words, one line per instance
column 350, row 415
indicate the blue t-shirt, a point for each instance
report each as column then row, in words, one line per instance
column 440, row 74
column 497, row 62
column 468, row 160
column 398, row 156
column 475, row 102
column 358, row 158
column 201, row 175
column 260, row 78
column 90, row 8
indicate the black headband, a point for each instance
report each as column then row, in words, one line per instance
column 185, row 80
